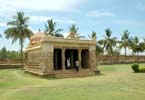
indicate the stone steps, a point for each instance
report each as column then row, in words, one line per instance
column 74, row 73
column 61, row 73
column 34, row 70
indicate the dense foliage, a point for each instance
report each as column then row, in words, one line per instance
column 135, row 67
column 4, row 53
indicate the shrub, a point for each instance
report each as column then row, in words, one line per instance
column 142, row 70
column 135, row 67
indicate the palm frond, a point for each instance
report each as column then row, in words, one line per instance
column 50, row 28
column 58, row 31
column 58, row 35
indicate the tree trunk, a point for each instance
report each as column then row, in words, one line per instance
column 136, row 56
column 22, row 60
column 125, row 54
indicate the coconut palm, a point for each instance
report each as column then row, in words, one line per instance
column 99, row 50
column 18, row 30
column 93, row 35
column 74, row 31
column 124, row 43
column 50, row 29
column 134, row 42
column 109, row 42
column 136, row 46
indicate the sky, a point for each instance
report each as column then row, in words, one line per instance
column 88, row 15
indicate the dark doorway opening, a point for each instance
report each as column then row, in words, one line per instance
column 85, row 59
column 57, row 60
column 71, row 54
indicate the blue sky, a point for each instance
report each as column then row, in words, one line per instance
column 88, row 15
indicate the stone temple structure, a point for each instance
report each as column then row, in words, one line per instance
column 47, row 56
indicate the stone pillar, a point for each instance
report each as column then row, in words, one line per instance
column 80, row 58
column 92, row 56
column 56, row 60
column 63, row 58
column 71, row 59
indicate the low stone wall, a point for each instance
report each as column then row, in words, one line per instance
column 16, row 63
column 10, row 63
column 119, row 59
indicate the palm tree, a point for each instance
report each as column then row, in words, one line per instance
column 109, row 42
column 99, row 50
column 136, row 46
column 3, row 52
column 134, row 42
column 50, row 29
column 74, row 31
column 93, row 35
column 124, row 43
column 19, row 30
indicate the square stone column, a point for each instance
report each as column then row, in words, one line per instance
column 63, row 58
column 80, row 58
column 92, row 56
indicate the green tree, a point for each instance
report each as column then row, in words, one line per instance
column 19, row 30
column 136, row 46
column 108, row 42
column 3, row 53
column 50, row 29
column 99, row 50
column 134, row 42
column 74, row 31
column 124, row 43
column 93, row 35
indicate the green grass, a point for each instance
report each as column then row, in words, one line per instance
column 17, row 85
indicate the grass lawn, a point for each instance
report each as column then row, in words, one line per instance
column 17, row 85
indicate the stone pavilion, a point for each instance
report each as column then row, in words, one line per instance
column 47, row 56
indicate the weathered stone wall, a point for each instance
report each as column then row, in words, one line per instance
column 47, row 58
column 33, row 57
column 9, row 61
column 119, row 59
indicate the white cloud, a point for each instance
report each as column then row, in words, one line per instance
column 10, row 7
column 39, row 18
column 99, row 13
column 49, row 5
column 45, row 18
